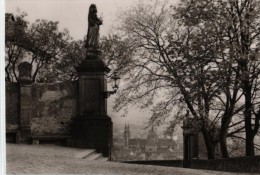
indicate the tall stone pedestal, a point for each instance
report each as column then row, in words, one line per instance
column 25, row 81
column 93, row 128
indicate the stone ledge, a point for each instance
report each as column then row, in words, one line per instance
column 51, row 137
column 67, row 138
column 13, row 135
column 234, row 164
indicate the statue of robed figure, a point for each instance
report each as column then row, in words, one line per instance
column 93, row 28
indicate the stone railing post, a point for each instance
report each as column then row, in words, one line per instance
column 190, row 141
column 25, row 81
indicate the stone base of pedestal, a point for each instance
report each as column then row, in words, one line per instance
column 93, row 132
column 25, row 135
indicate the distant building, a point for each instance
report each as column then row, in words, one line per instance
column 126, row 136
column 151, row 148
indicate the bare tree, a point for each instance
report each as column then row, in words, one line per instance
column 169, row 70
column 202, row 56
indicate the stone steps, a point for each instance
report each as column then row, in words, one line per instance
column 90, row 154
column 85, row 153
column 95, row 156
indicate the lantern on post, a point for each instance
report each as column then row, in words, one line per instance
column 116, row 80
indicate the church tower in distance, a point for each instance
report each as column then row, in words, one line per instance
column 127, row 136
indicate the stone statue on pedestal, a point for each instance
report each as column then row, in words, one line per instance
column 93, row 28
column 92, row 128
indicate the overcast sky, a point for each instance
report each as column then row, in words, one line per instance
column 71, row 14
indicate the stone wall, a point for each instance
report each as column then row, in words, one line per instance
column 236, row 164
column 170, row 163
column 12, row 108
column 54, row 106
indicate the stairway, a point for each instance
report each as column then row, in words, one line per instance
column 90, row 154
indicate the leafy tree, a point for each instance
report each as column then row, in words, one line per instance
column 40, row 43
column 115, row 52
column 53, row 54
column 64, row 68
column 15, row 31
column 48, row 44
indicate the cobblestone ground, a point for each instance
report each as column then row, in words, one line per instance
column 47, row 159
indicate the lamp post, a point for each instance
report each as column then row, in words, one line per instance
column 115, row 86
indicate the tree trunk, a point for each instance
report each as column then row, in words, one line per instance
column 223, row 146
column 225, row 121
column 248, row 127
column 248, row 118
column 250, row 150
column 209, row 145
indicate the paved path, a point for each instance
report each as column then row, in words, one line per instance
column 38, row 159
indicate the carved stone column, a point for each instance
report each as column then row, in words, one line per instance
column 25, row 81
column 93, row 128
